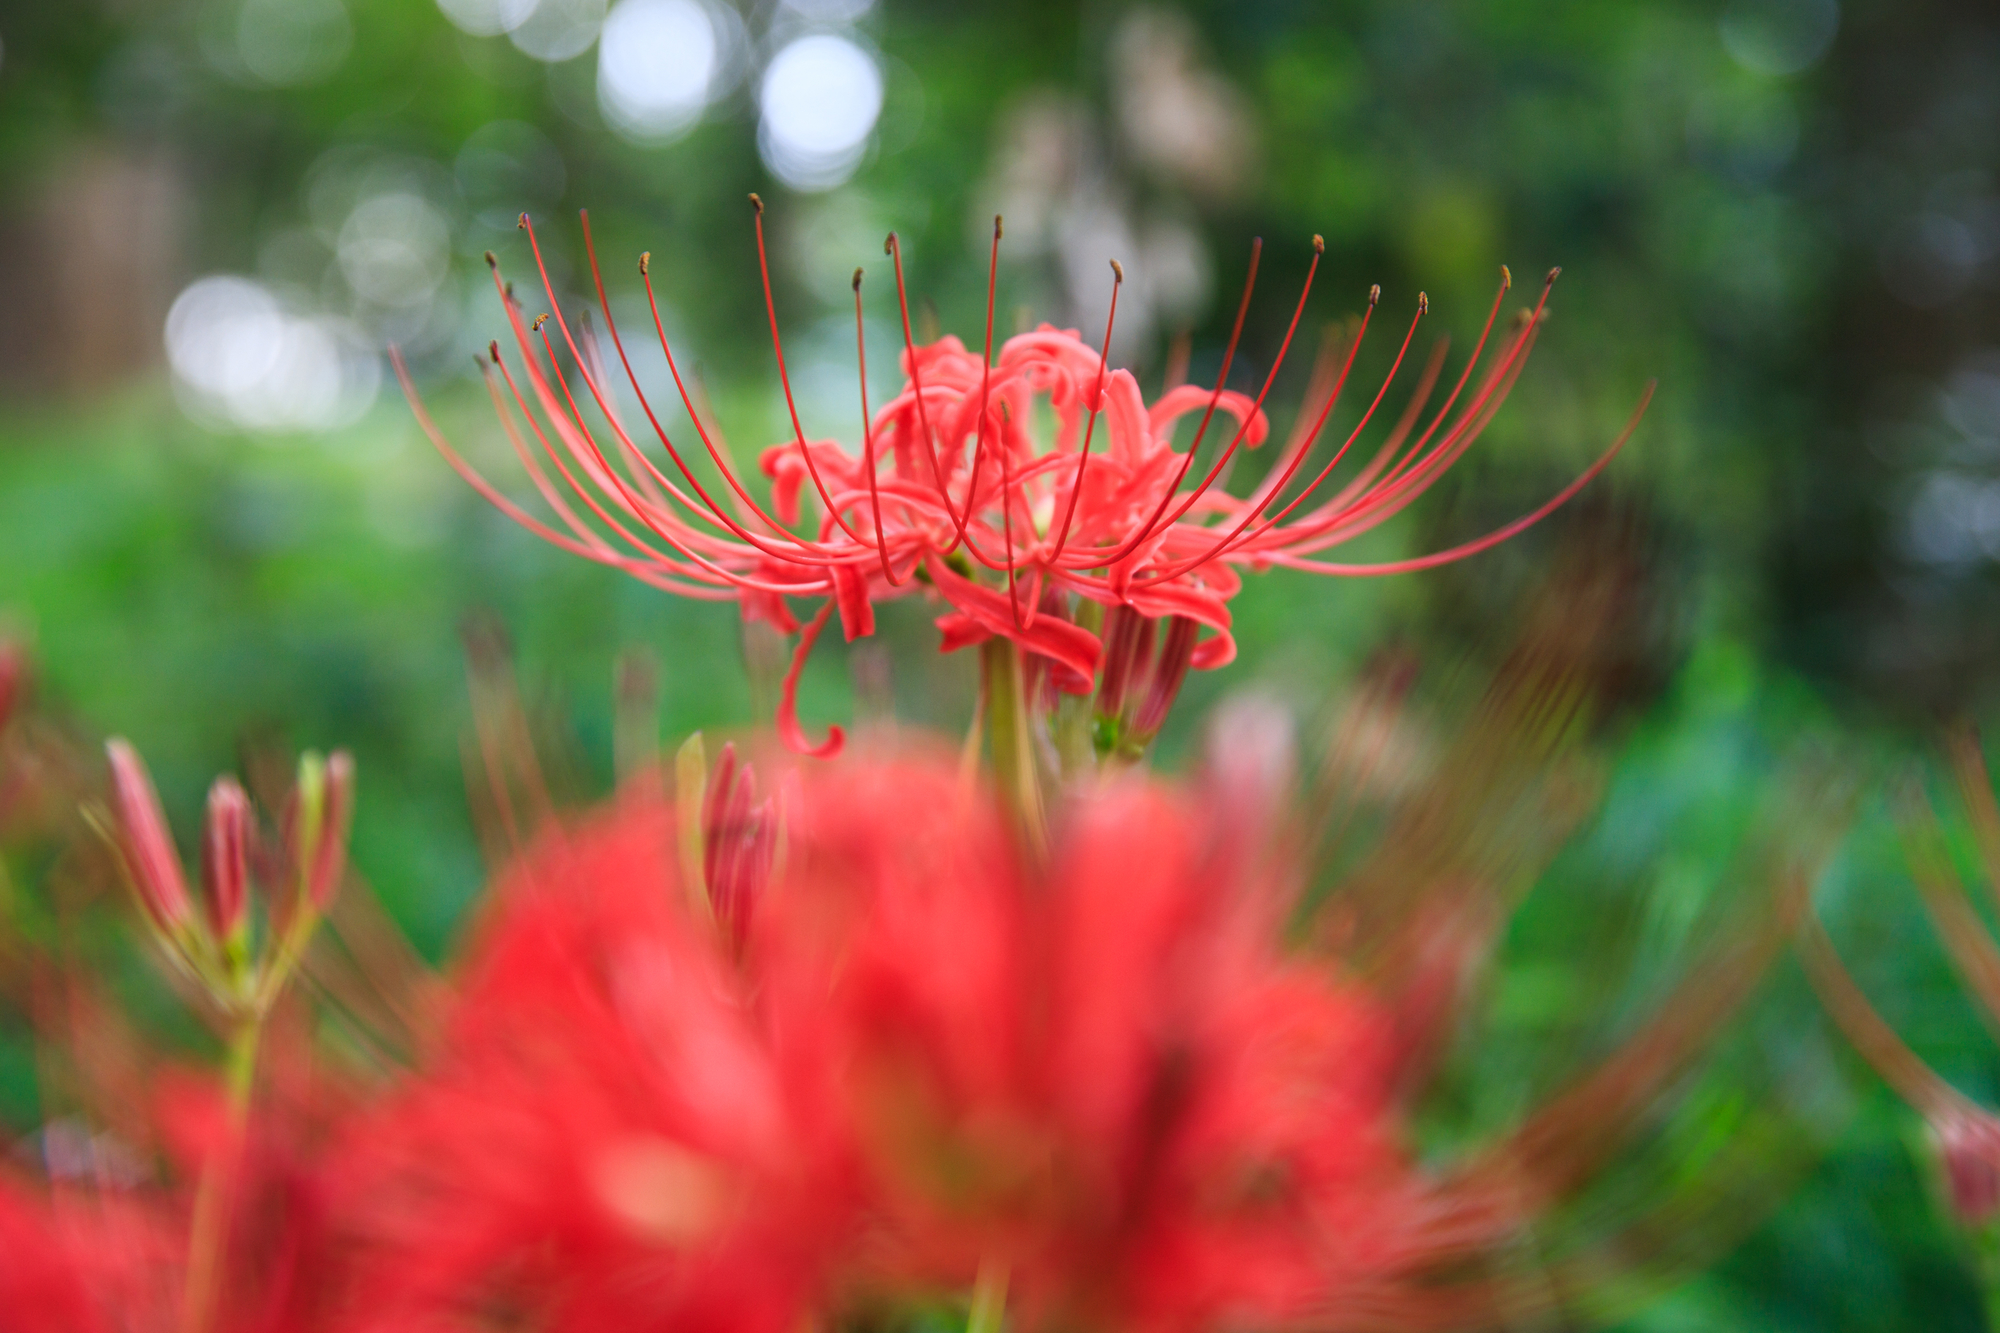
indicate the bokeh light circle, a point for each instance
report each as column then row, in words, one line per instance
column 657, row 66
column 819, row 101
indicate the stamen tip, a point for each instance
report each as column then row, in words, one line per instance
column 1554, row 273
column 1423, row 303
column 889, row 244
column 492, row 260
column 857, row 278
column 1319, row 244
column 1506, row 278
column 1374, row 294
column 540, row 320
column 757, row 202
column 523, row 222
column 645, row 262
column 996, row 226
column 1117, row 271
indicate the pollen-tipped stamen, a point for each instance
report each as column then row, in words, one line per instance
column 1090, row 421
column 784, row 376
column 1147, row 530
column 868, row 436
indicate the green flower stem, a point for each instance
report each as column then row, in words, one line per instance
column 208, row 1235
column 1008, row 739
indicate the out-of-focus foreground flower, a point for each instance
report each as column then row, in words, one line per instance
column 1964, row 1136
column 1037, row 494
column 831, row 1042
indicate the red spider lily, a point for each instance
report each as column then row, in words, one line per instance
column 925, row 1056
column 953, row 488
column 918, row 1053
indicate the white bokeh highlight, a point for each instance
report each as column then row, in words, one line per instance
column 394, row 249
column 559, row 30
column 658, row 64
column 241, row 359
column 487, row 18
column 818, row 102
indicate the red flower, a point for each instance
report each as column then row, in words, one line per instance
column 606, row 1137
column 926, row 1055
column 953, row 487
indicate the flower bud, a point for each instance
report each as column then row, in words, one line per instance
column 325, row 810
column 739, row 835
column 150, row 857
column 225, row 856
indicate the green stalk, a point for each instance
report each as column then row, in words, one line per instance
column 208, row 1233
column 1008, row 739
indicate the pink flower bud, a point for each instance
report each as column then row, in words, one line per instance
column 225, row 859
column 739, row 835
column 327, row 856
column 1165, row 686
column 149, row 851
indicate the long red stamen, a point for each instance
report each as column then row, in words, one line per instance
column 1319, row 249
column 868, row 437
column 1464, row 376
column 728, row 474
column 1007, row 529
column 596, row 508
column 1374, row 295
column 1096, row 402
column 1187, row 461
column 591, row 380
column 1485, row 403
column 1499, row 535
column 985, row 378
column 893, row 247
column 715, row 452
column 784, row 377
column 1326, row 410
column 492, row 496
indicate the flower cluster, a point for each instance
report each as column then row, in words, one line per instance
column 1071, row 542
